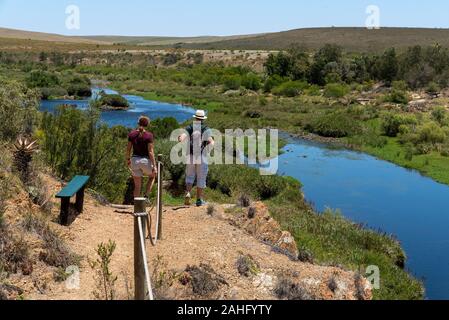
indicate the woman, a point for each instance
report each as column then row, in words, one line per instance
column 142, row 162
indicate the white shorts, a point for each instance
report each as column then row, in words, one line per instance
column 141, row 167
column 198, row 171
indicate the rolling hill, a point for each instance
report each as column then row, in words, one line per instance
column 40, row 36
column 164, row 41
column 351, row 39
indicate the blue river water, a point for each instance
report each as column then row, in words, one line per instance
column 128, row 118
column 384, row 196
column 367, row 190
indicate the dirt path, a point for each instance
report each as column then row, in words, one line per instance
column 191, row 238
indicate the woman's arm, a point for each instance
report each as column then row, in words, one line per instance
column 152, row 157
column 128, row 154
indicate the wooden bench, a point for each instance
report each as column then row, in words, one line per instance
column 76, row 186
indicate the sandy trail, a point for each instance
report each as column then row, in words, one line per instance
column 190, row 237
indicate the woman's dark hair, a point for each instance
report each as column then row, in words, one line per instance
column 144, row 122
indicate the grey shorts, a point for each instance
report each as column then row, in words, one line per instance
column 198, row 172
column 141, row 167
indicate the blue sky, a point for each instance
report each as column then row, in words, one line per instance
column 214, row 17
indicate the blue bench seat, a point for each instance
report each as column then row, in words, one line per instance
column 75, row 187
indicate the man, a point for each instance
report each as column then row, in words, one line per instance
column 141, row 143
column 197, row 165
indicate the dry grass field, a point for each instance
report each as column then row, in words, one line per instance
column 351, row 39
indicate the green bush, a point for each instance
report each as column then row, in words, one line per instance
column 42, row 79
column 439, row 114
column 290, row 88
column 162, row 128
column 398, row 93
column 392, row 123
column 114, row 100
column 74, row 142
column 272, row 82
column 433, row 88
column 49, row 93
column 18, row 109
column 431, row 133
column 79, row 90
column 232, row 83
column 251, row 81
column 336, row 90
column 335, row 125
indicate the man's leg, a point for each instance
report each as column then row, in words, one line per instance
column 190, row 179
column 137, row 186
column 202, row 171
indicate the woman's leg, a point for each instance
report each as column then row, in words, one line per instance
column 137, row 186
column 150, row 185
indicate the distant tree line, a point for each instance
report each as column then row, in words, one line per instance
column 419, row 67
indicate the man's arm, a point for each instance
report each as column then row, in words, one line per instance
column 128, row 154
column 182, row 137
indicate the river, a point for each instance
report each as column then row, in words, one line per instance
column 128, row 118
column 367, row 190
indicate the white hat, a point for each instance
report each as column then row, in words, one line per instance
column 200, row 115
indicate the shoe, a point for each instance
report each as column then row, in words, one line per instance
column 200, row 203
column 188, row 199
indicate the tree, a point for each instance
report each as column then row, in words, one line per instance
column 42, row 79
column 328, row 55
column 388, row 66
column 278, row 64
column 18, row 109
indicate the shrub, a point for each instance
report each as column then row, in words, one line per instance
column 398, row 93
column 252, row 114
column 231, row 83
column 247, row 266
column 313, row 90
column 162, row 128
column 392, row 123
column 290, row 88
column 336, row 90
column 267, row 187
column 56, row 253
column 433, row 88
column 14, row 254
column 114, row 100
column 431, row 133
column 205, row 281
column 104, row 278
column 48, row 93
column 41, row 79
column 171, row 59
column 173, row 172
column 251, row 81
column 335, row 125
column 439, row 114
column 18, row 109
column 287, row 289
column 272, row 82
column 79, row 90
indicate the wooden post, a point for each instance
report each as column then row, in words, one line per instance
column 140, row 287
column 160, row 179
column 65, row 208
column 80, row 200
